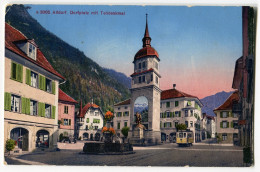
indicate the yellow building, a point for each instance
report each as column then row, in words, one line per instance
column 31, row 94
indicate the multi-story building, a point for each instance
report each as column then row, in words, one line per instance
column 243, row 80
column 90, row 121
column 121, row 116
column 66, row 114
column 31, row 94
column 175, row 107
column 178, row 107
column 226, row 121
column 211, row 126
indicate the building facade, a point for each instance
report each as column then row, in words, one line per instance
column 244, row 82
column 211, row 126
column 226, row 121
column 121, row 116
column 31, row 94
column 90, row 121
column 66, row 112
column 179, row 108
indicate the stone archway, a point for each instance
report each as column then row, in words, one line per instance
column 163, row 137
column 172, row 137
column 42, row 140
column 21, row 137
column 141, row 106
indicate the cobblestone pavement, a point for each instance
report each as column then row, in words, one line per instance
column 163, row 155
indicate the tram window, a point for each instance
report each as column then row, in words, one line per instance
column 184, row 135
column 180, row 135
column 189, row 135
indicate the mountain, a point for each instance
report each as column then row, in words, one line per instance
column 214, row 101
column 120, row 77
column 85, row 79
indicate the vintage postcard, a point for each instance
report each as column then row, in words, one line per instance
column 129, row 85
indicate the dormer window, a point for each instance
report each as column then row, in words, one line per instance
column 32, row 51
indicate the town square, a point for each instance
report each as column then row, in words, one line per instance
column 126, row 85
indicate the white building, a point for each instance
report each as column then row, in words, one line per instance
column 175, row 107
column 90, row 121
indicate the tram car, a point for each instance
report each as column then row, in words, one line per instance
column 184, row 137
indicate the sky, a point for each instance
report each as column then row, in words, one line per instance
column 197, row 46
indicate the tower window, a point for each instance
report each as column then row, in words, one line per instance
column 157, row 80
column 140, row 79
column 151, row 77
column 144, row 64
column 139, row 66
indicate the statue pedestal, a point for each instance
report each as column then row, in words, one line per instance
column 138, row 135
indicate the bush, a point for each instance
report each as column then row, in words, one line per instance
column 9, row 145
column 124, row 131
column 181, row 127
column 61, row 137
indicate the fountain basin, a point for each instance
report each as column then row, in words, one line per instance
column 108, row 148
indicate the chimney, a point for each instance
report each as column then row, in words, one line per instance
column 174, row 86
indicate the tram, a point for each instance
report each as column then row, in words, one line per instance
column 184, row 137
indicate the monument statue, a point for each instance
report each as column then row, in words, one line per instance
column 138, row 120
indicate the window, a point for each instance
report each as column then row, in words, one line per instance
column 189, row 103
column 186, row 113
column 176, row 123
column 91, row 113
column 176, row 103
column 86, row 127
column 191, row 112
column 95, row 127
column 160, row 105
column 118, row 108
column 176, row 113
column 48, row 85
column 125, row 124
column 139, row 65
column 180, row 135
column 140, row 79
column 144, row 64
column 87, row 120
column 33, row 108
column 34, row 79
column 96, row 121
column 186, row 123
column 168, row 114
column 118, row 125
column 161, row 115
column 235, row 115
column 144, row 78
column 126, row 113
column 191, row 123
column 119, row 114
column 17, row 72
column 168, row 104
column 15, row 103
column 96, row 113
column 32, row 51
column 224, row 114
column 224, row 136
column 235, row 124
column 235, row 136
column 224, row 124
column 167, row 124
column 66, row 122
column 156, row 65
column 157, row 80
column 66, row 109
column 47, row 111
column 151, row 77
column 126, row 107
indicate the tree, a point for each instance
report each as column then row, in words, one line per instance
column 181, row 127
column 124, row 131
column 9, row 145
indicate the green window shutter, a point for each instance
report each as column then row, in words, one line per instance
column 13, row 70
column 19, row 73
column 232, row 124
column 170, row 124
column 221, row 124
column 28, row 110
column 53, row 89
column 39, row 109
column 164, row 114
column 40, row 82
column 164, row 124
column 227, row 124
column 44, row 83
column 53, row 110
column 221, row 114
column 24, row 104
column 87, row 120
column 7, row 101
column 160, row 124
column 170, row 114
column 42, row 109
column 173, row 114
column 28, row 77
column 179, row 113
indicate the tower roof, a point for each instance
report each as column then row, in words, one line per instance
column 147, row 50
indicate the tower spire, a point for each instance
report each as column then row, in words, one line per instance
column 146, row 39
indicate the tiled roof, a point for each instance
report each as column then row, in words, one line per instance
column 238, row 73
column 84, row 110
column 64, row 97
column 227, row 105
column 12, row 36
column 146, row 51
column 125, row 102
column 174, row 93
